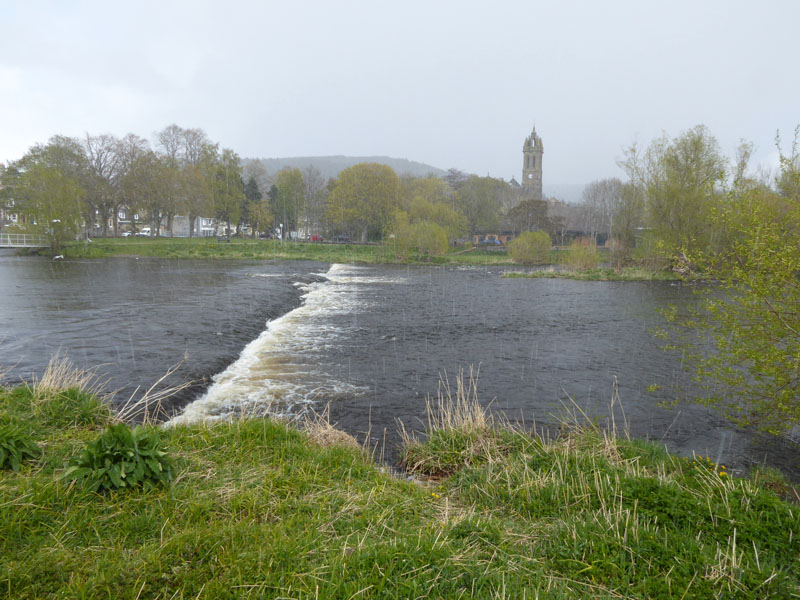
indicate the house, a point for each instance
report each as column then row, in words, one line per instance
column 492, row 238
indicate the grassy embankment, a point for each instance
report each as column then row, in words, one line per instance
column 599, row 274
column 239, row 248
column 259, row 509
column 245, row 248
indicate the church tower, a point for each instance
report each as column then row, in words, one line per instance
column 532, row 152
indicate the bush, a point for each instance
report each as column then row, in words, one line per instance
column 122, row 457
column 425, row 239
column 581, row 257
column 16, row 446
column 531, row 248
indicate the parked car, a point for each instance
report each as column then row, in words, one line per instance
column 342, row 239
column 316, row 238
column 126, row 234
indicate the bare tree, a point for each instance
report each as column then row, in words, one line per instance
column 103, row 165
column 601, row 201
column 315, row 198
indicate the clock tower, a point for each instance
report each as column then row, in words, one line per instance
column 532, row 151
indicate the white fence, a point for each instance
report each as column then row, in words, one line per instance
column 22, row 240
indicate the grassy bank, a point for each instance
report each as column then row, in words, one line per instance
column 259, row 509
column 245, row 248
column 599, row 274
column 249, row 249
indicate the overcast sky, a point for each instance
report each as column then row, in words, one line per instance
column 451, row 83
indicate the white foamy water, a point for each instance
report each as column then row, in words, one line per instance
column 280, row 373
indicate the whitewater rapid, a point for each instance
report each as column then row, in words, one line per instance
column 282, row 372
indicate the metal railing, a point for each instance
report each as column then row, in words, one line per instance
column 22, row 240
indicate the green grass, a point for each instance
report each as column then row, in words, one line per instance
column 600, row 274
column 259, row 509
column 245, row 248
column 249, row 249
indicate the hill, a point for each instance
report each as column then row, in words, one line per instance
column 331, row 166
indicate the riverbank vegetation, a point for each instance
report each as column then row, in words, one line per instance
column 258, row 508
column 597, row 274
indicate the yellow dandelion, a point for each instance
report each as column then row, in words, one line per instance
column 723, row 474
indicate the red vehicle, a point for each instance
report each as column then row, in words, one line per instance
column 316, row 238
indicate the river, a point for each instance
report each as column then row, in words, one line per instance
column 373, row 341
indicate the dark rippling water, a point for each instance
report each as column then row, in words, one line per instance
column 373, row 341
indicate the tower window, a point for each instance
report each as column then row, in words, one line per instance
column 527, row 161
column 533, row 160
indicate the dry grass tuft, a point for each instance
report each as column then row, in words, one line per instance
column 61, row 374
column 463, row 412
column 149, row 407
column 319, row 428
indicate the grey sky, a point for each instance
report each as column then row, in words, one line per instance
column 454, row 84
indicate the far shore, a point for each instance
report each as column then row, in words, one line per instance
column 353, row 253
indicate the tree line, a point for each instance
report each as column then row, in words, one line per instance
column 70, row 187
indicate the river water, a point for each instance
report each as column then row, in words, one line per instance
column 373, row 341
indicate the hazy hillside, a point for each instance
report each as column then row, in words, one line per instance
column 330, row 166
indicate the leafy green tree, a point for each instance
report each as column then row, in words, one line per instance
column 748, row 352
column 453, row 223
column 363, row 199
column 52, row 202
column 422, row 239
column 431, row 189
column 531, row 248
column 682, row 179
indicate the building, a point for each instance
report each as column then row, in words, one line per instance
column 532, row 151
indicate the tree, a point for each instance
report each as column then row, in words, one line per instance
column 363, row 199
column 430, row 189
column 52, row 202
column 253, row 197
column 228, row 188
column 601, row 201
column 528, row 215
column 682, row 180
column 133, row 178
column 480, row 200
column 453, row 223
column 531, row 248
column 422, row 239
column 103, row 177
column 628, row 218
column 748, row 355
column 315, row 197
column 288, row 198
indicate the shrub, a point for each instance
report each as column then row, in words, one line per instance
column 122, row 457
column 425, row 239
column 581, row 257
column 16, row 446
column 531, row 248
